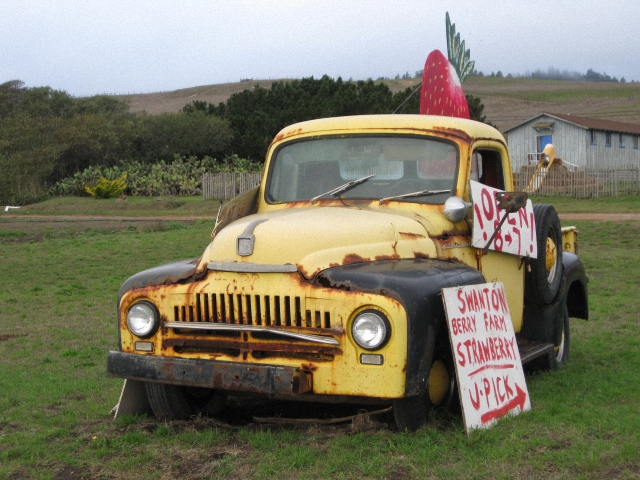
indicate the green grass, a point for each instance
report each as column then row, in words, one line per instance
column 131, row 206
column 620, row 204
column 57, row 309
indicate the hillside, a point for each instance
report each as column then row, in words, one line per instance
column 507, row 101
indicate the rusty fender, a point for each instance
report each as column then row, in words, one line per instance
column 228, row 376
column 417, row 285
column 163, row 275
column 168, row 274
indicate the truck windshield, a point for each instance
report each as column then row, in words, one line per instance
column 396, row 166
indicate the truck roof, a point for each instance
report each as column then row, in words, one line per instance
column 458, row 127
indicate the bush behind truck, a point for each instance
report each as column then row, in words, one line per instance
column 324, row 283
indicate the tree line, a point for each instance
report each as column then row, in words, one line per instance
column 257, row 114
column 51, row 142
column 47, row 135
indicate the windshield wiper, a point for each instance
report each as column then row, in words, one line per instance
column 342, row 188
column 421, row 193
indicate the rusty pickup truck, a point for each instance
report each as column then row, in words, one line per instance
column 324, row 282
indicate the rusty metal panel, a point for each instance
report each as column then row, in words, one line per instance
column 570, row 239
column 316, row 310
column 265, row 379
column 239, row 207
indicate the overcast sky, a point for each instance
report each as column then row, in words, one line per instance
column 140, row 46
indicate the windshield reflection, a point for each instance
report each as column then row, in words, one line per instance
column 396, row 165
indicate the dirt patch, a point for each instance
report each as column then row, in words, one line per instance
column 5, row 337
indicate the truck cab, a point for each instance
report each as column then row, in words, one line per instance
column 324, row 283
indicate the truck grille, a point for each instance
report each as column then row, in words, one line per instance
column 263, row 310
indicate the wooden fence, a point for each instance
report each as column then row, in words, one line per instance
column 225, row 186
column 581, row 183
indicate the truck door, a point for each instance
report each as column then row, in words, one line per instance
column 490, row 165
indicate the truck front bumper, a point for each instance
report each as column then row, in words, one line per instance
column 227, row 376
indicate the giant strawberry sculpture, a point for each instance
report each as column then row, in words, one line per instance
column 442, row 79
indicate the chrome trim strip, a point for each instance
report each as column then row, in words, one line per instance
column 242, row 267
column 250, row 328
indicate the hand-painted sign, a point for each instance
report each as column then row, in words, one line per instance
column 517, row 234
column 491, row 381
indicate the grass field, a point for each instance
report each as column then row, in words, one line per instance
column 507, row 101
column 57, row 322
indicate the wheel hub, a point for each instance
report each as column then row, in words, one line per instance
column 552, row 253
column 438, row 383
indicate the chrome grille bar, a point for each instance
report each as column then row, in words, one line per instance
column 249, row 328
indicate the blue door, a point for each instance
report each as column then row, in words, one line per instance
column 543, row 141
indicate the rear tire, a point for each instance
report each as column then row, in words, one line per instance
column 543, row 281
column 173, row 402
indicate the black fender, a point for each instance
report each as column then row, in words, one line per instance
column 417, row 285
column 575, row 292
column 543, row 323
column 163, row 275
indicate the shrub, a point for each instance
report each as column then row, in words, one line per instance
column 183, row 176
column 107, row 188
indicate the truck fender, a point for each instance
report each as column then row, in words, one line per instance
column 417, row 284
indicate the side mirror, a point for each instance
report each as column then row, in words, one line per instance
column 455, row 209
column 511, row 201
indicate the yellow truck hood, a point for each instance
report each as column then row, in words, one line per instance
column 313, row 239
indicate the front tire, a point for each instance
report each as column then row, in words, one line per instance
column 174, row 402
column 411, row 413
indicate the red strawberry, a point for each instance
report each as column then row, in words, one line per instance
column 442, row 92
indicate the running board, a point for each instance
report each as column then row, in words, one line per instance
column 530, row 349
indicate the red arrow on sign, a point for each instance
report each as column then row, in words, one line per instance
column 517, row 401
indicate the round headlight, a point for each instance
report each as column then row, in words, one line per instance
column 143, row 319
column 371, row 329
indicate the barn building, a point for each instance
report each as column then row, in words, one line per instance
column 580, row 142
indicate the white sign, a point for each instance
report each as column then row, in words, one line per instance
column 491, row 380
column 517, row 234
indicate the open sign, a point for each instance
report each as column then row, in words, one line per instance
column 516, row 236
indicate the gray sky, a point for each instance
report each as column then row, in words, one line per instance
column 140, row 46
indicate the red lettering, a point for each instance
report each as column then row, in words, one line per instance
column 479, row 216
column 487, row 204
column 487, row 390
column 476, row 402
column 522, row 217
column 495, row 303
column 469, row 298
column 503, row 301
column 533, row 226
column 501, row 396
column 462, row 306
column 467, row 344
column 461, row 361
column 516, row 230
column 507, row 387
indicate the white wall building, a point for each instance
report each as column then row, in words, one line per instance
column 579, row 141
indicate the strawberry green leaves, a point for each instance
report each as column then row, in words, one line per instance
column 458, row 56
column 442, row 78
